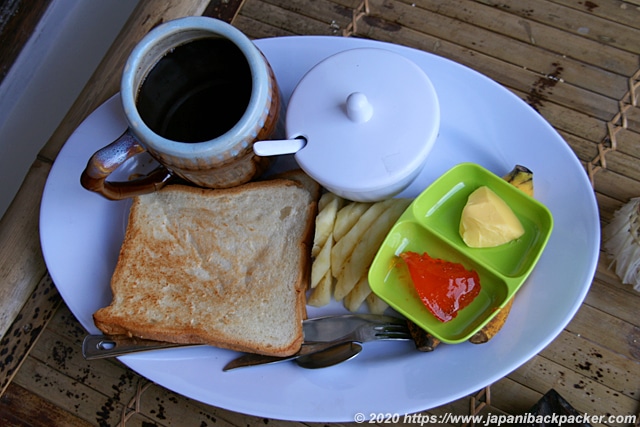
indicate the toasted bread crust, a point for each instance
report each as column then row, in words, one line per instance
column 301, row 177
column 223, row 267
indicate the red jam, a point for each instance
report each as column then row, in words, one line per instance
column 444, row 287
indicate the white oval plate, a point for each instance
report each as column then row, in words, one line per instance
column 482, row 122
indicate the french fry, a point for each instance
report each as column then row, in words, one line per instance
column 325, row 198
column 341, row 251
column 327, row 210
column 322, row 263
column 357, row 265
column 347, row 217
column 354, row 299
column 347, row 237
column 375, row 304
column 321, row 294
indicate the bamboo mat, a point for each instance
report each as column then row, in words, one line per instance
column 577, row 62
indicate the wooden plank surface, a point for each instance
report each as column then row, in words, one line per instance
column 21, row 262
column 576, row 62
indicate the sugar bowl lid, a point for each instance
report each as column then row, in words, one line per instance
column 365, row 120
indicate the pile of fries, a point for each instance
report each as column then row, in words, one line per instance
column 347, row 237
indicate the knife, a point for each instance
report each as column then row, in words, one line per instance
column 323, row 329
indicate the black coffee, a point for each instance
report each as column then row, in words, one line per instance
column 196, row 92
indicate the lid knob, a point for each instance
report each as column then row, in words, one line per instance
column 359, row 109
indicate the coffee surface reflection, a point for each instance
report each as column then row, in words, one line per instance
column 196, row 92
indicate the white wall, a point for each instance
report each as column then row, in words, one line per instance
column 47, row 77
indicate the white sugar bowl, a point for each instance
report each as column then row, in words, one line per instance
column 361, row 123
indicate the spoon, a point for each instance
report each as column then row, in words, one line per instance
column 331, row 356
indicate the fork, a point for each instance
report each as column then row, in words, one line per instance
column 364, row 333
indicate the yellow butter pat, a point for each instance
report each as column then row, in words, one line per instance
column 487, row 221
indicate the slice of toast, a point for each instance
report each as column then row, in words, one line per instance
column 222, row 267
column 300, row 176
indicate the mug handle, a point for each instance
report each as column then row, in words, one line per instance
column 109, row 158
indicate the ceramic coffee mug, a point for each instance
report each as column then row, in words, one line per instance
column 196, row 93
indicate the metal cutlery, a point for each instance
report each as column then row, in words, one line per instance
column 103, row 346
column 368, row 329
column 332, row 356
column 322, row 335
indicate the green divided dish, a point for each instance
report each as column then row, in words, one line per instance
column 431, row 224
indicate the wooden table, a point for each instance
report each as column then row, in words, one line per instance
column 577, row 62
